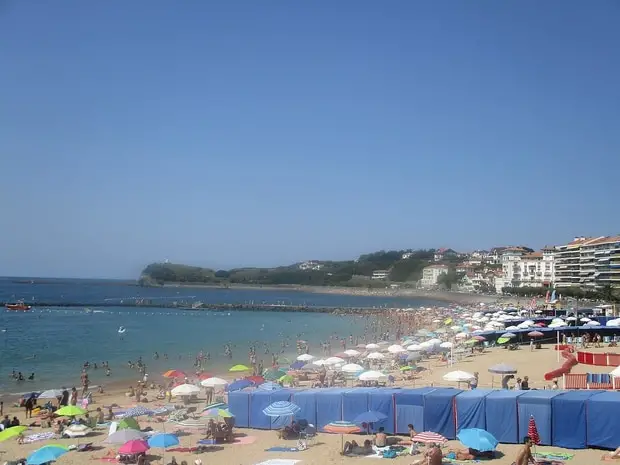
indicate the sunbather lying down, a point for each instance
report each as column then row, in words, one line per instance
column 471, row 454
column 353, row 448
column 612, row 455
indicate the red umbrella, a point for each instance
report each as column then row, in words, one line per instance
column 540, row 325
column 428, row 436
column 479, row 338
column 255, row 379
column 136, row 446
column 205, row 376
column 535, row 334
column 174, row 374
column 532, row 431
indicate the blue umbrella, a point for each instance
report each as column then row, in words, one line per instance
column 281, row 409
column 297, row 365
column 476, row 438
column 369, row 417
column 137, row 411
column 46, row 454
column 269, row 386
column 502, row 369
column 163, row 440
column 238, row 385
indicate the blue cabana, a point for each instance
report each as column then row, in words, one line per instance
column 569, row 419
column 328, row 406
column 382, row 400
column 501, row 415
column 306, row 401
column 259, row 400
column 354, row 402
column 439, row 412
column 603, row 420
column 537, row 403
column 239, row 406
column 471, row 409
column 410, row 408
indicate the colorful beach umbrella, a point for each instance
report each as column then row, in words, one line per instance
column 428, row 437
column 174, row 374
column 341, row 427
column 45, row 454
column 281, row 409
column 238, row 368
column 286, row 379
column 255, row 379
column 123, row 436
column 272, row 374
column 70, row 411
column 239, row 385
column 163, row 440
column 479, row 439
column 135, row 446
column 137, row 412
column 217, row 413
column 269, row 386
column 535, row 334
column 128, row 423
column 12, row 432
column 532, row 431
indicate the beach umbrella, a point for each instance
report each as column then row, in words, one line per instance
column 414, row 347
column 214, row 382
column 174, row 374
column 460, row 335
column 479, row 338
column 286, row 379
column 137, row 411
column 70, row 411
column 413, row 357
column 407, row 368
column 458, row 376
column 352, row 352
column 256, row 379
column 334, row 361
column 532, row 431
column 238, row 368
column 535, row 334
column 281, row 409
column 396, row 349
column 351, row 368
column 592, row 323
column 320, row 362
column 12, row 432
column 310, row 367
column 341, row 428
column 217, row 413
column 508, row 335
column 135, row 446
column 123, row 436
column 185, row 390
column 51, row 394
column 128, row 423
column 273, row 374
column 239, row 385
column 77, row 431
column 479, row 439
column 446, row 345
column 269, row 386
column 45, row 454
column 202, row 376
column 375, row 356
column 372, row 376
column 297, row 365
column 194, row 423
column 503, row 340
column 305, row 357
column 428, row 437
column 502, row 369
column 372, row 346
column 163, row 440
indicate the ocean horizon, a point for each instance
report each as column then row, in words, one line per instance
column 54, row 342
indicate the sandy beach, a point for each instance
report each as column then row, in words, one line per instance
column 252, row 444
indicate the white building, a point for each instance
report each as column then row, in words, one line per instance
column 310, row 265
column 527, row 269
column 431, row 274
column 588, row 262
column 380, row 274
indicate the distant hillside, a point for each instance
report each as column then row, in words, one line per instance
column 315, row 273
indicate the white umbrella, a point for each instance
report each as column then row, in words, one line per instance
column 414, row 347
column 372, row 346
column 320, row 362
column 213, row 382
column 434, row 342
column 446, row 345
column 352, row 352
column 375, row 356
column 334, row 361
column 592, row 323
column 458, row 376
column 76, row 431
column 352, row 368
column 372, row 376
column 396, row 348
column 614, row 322
column 50, row 394
column 461, row 335
column 585, row 318
column 305, row 357
column 571, row 318
column 185, row 390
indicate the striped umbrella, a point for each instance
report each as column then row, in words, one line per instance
column 281, row 409
column 532, row 431
column 217, row 413
column 341, row 427
column 137, row 411
column 269, row 386
column 428, row 437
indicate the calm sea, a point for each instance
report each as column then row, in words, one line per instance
column 54, row 342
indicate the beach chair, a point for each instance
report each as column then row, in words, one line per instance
column 308, row 434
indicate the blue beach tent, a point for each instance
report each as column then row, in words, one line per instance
column 410, row 408
column 382, row 400
column 569, row 419
column 239, row 406
column 355, row 402
column 439, row 414
column 471, row 409
column 603, row 420
column 306, row 400
column 537, row 403
column 501, row 415
column 328, row 406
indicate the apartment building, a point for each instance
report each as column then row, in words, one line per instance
column 588, row 262
column 527, row 269
column 431, row 274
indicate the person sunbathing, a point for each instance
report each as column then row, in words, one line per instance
column 290, row 432
column 612, row 455
column 472, row 454
column 353, row 448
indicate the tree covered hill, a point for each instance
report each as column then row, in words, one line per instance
column 319, row 273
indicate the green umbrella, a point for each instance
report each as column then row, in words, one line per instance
column 503, row 340
column 70, row 411
column 128, row 423
column 286, row 379
column 407, row 368
column 273, row 374
column 238, row 368
column 12, row 432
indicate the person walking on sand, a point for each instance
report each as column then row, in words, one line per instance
column 74, row 396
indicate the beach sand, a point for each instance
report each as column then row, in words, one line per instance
column 327, row 447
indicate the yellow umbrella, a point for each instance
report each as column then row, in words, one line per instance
column 70, row 411
column 239, row 368
column 12, row 432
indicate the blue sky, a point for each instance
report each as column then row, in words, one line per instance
column 262, row 133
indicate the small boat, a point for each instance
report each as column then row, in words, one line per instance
column 19, row 306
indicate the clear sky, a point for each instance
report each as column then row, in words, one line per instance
column 228, row 133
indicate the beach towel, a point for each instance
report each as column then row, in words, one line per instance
column 282, row 449
column 244, row 440
column 183, row 449
column 39, row 437
column 553, row 455
column 279, row 462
